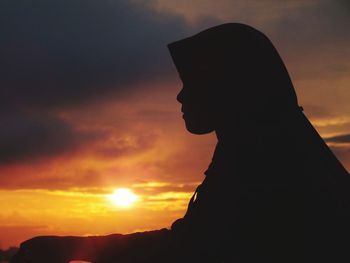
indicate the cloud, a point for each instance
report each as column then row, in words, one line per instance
column 28, row 136
column 116, row 147
column 344, row 138
column 155, row 187
column 317, row 112
column 62, row 52
column 312, row 36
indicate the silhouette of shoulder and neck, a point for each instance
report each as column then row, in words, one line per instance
column 274, row 192
column 273, row 179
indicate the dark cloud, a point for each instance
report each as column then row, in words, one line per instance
column 28, row 136
column 63, row 53
column 344, row 138
column 60, row 52
column 101, row 146
column 314, row 38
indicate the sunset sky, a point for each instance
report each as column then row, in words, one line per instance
column 88, row 105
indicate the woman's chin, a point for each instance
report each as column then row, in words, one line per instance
column 199, row 129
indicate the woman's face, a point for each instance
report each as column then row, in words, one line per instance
column 197, row 105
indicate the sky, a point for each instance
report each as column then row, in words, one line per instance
column 88, row 105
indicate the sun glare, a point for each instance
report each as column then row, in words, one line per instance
column 123, row 197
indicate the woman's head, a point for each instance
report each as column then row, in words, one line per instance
column 230, row 72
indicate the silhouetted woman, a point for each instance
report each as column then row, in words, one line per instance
column 274, row 192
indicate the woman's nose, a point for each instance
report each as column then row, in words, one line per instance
column 179, row 96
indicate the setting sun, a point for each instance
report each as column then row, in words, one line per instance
column 123, row 197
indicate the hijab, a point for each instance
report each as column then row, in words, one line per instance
column 277, row 146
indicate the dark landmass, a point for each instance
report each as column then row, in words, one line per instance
column 5, row 255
